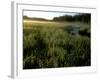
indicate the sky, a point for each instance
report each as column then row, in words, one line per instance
column 46, row 15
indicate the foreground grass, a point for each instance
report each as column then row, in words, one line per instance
column 51, row 45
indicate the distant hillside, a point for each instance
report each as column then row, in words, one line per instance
column 81, row 17
column 34, row 18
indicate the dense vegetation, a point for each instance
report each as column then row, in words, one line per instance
column 48, row 46
column 80, row 17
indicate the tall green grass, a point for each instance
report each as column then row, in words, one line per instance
column 51, row 47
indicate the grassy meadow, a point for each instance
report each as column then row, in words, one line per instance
column 52, row 44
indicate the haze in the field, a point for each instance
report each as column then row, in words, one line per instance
column 46, row 15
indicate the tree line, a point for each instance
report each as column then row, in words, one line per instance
column 80, row 17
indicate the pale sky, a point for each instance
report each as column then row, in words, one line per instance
column 46, row 15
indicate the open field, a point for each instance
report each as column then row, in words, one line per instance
column 51, row 44
column 30, row 23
